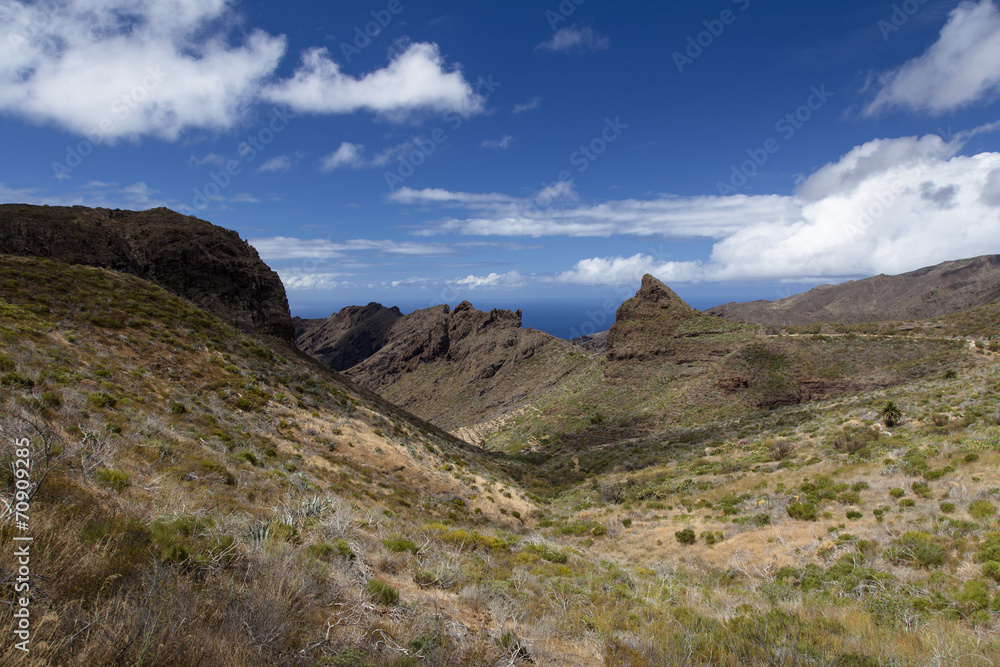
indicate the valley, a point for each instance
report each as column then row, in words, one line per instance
column 447, row 487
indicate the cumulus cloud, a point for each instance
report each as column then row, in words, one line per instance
column 124, row 69
column 629, row 270
column 348, row 155
column 958, row 70
column 576, row 40
column 417, row 78
column 887, row 206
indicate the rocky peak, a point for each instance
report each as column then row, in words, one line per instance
column 651, row 323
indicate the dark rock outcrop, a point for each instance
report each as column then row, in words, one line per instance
column 348, row 337
column 208, row 265
column 657, row 324
column 453, row 367
column 927, row 293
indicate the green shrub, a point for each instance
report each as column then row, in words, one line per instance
column 102, row 400
column 14, row 380
column 918, row 549
column 51, row 399
column 382, row 592
column 922, row 489
column 803, row 511
column 545, row 552
column 177, row 408
column 686, row 537
column 897, row 493
column 627, row 523
column 112, row 479
column 247, row 457
column 907, row 502
column 982, row 509
column 947, row 508
column 854, row 515
column 399, row 544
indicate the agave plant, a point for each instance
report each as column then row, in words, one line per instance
column 891, row 414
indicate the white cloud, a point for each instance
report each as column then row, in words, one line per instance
column 276, row 164
column 278, row 248
column 305, row 282
column 415, row 79
column 493, row 280
column 888, row 206
column 960, row 69
column 629, row 270
column 530, row 105
column 348, row 155
column 576, row 40
column 124, row 68
column 502, row 143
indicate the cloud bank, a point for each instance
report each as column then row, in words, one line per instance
column 125, row 69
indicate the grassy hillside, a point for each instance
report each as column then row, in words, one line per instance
column 211, row 498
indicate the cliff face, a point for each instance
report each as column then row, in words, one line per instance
column 208, row 265
column 927, row 293
column 455, row 367
column 349, row 337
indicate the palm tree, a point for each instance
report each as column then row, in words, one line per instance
column 891, row 414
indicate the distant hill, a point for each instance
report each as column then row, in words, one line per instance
column 453, row 367
column 927, row 293
column 191, row 258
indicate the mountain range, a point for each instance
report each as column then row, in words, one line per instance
column 214, row 482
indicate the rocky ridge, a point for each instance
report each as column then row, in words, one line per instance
column 191, row 258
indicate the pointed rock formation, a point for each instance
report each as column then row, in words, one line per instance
column 657, row 324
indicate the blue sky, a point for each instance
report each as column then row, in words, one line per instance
column 522, row 152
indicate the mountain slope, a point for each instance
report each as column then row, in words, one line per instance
column 210, row 493
column 455, row 368
column 927, row 293
column 206, row 264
